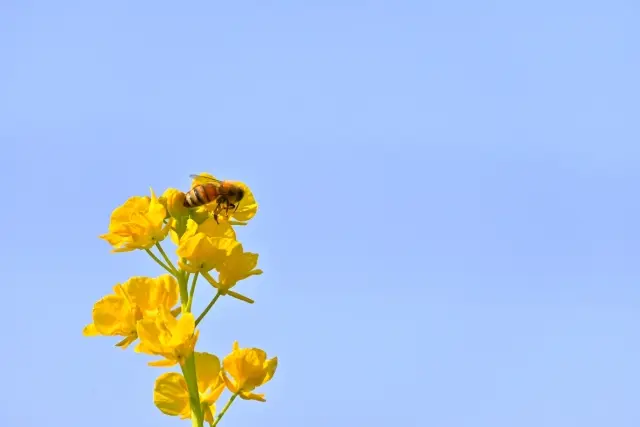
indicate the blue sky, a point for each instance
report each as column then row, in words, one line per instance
column 448, row 197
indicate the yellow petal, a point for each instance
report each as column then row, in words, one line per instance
column 127, row 341
column 149, row 334
column 205, row 252
column 157, row 214
column 128, row 248
column 191, row 245
column 188, row 267
column 213, row 395
column 253, row 365
column 112, row 316
column 270, row 367
column 231, row 385
column 171, row 293
column 208, row 411
column 238, row 266
column 150, row 293
column 208, row 369
column 132, row 204
column 234, row 364
column 175, row 202
column 171, row 395
column 248, row 206
column 212, row 229
column 162, row 363
column 183, row 329
column 166, row 228
column 192, row 229
column 90, row 330
column 112, row 238
column 174, row 237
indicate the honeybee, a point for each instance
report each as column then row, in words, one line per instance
column 226, row 194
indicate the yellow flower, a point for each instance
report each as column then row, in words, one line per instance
column 174, row 339
column 247, row 208
column 208, row 227
column 137, row 224
column 204, row 247
column 138, row 298
column 237, row 266
column 171, row 394
column 249, row 368
column 173, row 200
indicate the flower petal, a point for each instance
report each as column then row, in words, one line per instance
column 125, row 343
column 213, row 229
column 162, row 363
column 90, row 330
column 270, row 367
column 112, row 316
column 208, row 370
column 213, row 395
column 248, row 206
column 183, row 329
column 150, row 293
column 231, row 385
column 171, row 395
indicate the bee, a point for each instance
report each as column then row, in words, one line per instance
column 226, row 194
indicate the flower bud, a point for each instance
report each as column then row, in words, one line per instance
column 173, row 200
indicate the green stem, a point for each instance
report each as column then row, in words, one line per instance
column 191, row 291
column 190, row 376
column 184, row 291
column 224, row 410
column 166, row 258
column 206, row 310
column 181, row 226
column 162, row 264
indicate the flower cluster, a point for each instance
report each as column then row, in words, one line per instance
column 155, row 312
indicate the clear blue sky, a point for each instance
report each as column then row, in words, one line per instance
column 448, row 197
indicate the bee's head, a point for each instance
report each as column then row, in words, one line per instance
column 239, row 193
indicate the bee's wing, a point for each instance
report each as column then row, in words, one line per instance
column 206, row 178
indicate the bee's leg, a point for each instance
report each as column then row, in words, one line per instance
column 235, row 207
column 216, row 212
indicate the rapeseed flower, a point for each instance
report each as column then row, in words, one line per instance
column 249, row 369
column 137, row 224
column 174, row 339
column 202, row 253
column 171, row 392
column 144, row 308
column 238, row 265
column 204, row 246
column 208, row 227
column 136, row 299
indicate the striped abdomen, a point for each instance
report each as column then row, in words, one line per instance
column 201, row 195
